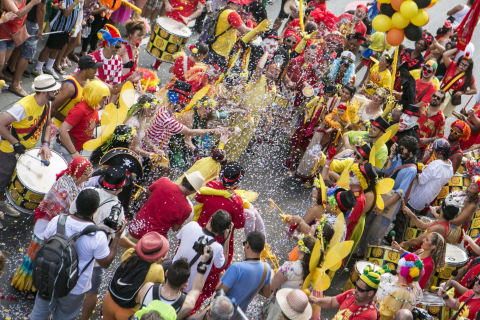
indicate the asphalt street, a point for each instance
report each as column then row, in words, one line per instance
column 264, row 174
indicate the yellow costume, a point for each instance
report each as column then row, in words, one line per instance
column 402, row 298
column 257, row 97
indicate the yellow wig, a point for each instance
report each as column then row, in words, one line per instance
column 94, row 92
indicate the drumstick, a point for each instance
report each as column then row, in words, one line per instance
column 433, row 288
column 45, row 162
column 392, row 234
column 401, row 195
column 179, row 8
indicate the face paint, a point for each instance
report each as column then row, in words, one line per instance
column 406, row 122
column 271, row 46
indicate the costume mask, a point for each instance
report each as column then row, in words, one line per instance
column 406, row 122
column 271, row 46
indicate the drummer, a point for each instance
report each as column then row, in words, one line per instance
column 27, row 119
column 468, row 303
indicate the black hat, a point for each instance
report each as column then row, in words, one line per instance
column 270, row 33
column 368, row 172
column 345, row 199
column 358, row 36
column 183, row 88
column 123, row 158
column 88, row 62
column 218, row 62
column 364, row 151
column 381, row 124
column 330, row 88
column 232, row 174
column 114, row 178
column 412, row 110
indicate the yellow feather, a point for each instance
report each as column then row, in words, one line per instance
column 315, row 257
column 344, row 180
column 372, row 158
column 338, row 228
column 337, row 253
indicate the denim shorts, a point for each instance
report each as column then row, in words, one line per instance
column 28, row 48
column 7, row 45
column 97, row 276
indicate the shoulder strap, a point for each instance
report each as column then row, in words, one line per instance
column 402, row 167
column 448, row 85
column 230, row 27
column 199, row 254
column 461, row 308
column 156, row 291
column 62, row 220
column 31, row 133
column 178, row 304
column 423, row 93
column 260, row 285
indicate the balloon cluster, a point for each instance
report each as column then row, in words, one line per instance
column 402, row 19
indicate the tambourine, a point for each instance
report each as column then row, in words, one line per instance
column 308, row 91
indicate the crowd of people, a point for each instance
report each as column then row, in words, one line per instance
column 390, row 160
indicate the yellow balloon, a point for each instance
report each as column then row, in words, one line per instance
column 408, row 9
column 382, row 23
column 421, row 18
column 384, row 1
column 399, row 21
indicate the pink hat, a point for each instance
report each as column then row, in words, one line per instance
column 152, row 246
column 294, row 304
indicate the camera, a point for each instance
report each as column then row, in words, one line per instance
column 200, row 244
column 421, row 314
column 113, row 220
column 398, row 149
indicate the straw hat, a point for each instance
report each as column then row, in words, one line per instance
column 152, row 246
column 294, row 304
column 196, row 179
column 45, row 83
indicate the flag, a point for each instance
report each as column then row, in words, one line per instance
column 465, row 29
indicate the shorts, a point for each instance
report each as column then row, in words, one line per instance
column 28, row 48
column 9, row 162
column 56, row 41
column 7, row 45
column 97, row 276
column 153, row 4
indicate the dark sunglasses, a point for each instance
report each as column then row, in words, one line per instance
column 290, row 41
column 434, row 96
column 466, row 65
column 244, row 243
column 360, row 289
column 118, row 47
column 427, row 69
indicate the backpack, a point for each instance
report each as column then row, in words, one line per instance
column 127, row 281
column 210, row 27
column 55, row 265
column 177, row 305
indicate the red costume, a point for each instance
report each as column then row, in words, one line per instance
column 189, row 7
column 300, row 72
column 234, row 206
column 356, row 212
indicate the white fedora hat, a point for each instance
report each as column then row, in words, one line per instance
column 196, row 179
column 45, row 83
column 294, row 304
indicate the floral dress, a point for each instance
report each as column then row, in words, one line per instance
column 293, row 271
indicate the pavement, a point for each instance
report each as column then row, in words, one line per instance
column 264, row 174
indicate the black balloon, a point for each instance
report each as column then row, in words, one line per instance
column 421, row 4
column 387, row 9
column 413, row 32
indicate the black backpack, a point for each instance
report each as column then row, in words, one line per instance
column 127, row 281
column 55, row 266
column 211, row 27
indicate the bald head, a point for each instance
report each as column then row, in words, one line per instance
column 403, row 314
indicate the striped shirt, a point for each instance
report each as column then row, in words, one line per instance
column 65, row 24
column 161, row 129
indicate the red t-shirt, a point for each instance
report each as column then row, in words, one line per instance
column 430, row 126
column 167, row 206
column 359, row 27
column 474, row 137
column 420, row 87
column 356, row 212
column 349, row 310
column 83, row 119
column 322, row 6
column 450, row 75
column 178, row 69
column 428, row 267
column 189, row 6
column 235, row 20
column 472, row 307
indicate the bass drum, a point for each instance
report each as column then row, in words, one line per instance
column 455, row 258
column 32, row 180
column 383, row 255
column 457, row 183
column 412, row 231
column 168, row 37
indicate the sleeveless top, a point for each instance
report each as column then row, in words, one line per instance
column 14, row 25
column 226, row 41
column 458, row 16
column 154, row 293
column 72, row 102
column 23, row 127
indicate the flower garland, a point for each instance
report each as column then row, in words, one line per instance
column 356, row 169
column 411, row 267
column 302, row 245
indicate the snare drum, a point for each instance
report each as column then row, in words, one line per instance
column 356, row 272
column 455, row 258
column 412, row 231
column 168, row 37
column 457, row 183
column 474, row 227
column 32, row 180
column 435, row 306
column 383, row 255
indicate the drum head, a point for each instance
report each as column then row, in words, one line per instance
column 361, row 265
column 37, row 177
column 174, row 27
column 430, row 299
column 455, row 256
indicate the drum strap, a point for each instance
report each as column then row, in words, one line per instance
column 31, row 133
column 461, row 308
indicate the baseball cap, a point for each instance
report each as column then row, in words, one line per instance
column 88, row 62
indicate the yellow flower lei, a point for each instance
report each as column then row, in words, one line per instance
column 363, row 182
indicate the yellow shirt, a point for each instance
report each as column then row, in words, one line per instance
column 23, row 127
column 381, row 79
column 155, row 273
column 226, row 41
column 72, row 102
column 341, row 165
column 379, row 42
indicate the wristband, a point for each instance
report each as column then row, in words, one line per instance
column 326, row 166
column 46, row 144
column 72, row 152
column 451, row 282
column 201, row 271
column 446, row 297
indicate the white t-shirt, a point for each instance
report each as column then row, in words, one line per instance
column 88, row 247
column 18, row 112
column 189, row 234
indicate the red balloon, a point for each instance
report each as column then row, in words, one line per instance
column 395, row 36
column 396, row 4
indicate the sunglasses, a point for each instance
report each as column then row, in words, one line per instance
column 434, row 96
column 427, row 69
column 358, row 157
column 477, row 280
column 360, row 289
column 118, row 47
column 290, row 41
column 244, row 243
column 466, row 65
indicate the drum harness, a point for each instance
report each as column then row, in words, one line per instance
column 31, row 133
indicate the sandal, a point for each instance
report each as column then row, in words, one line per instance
column 59, row 70
column 73, row 57
column 19, row 92
column 67, row 62
column 5, row 77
